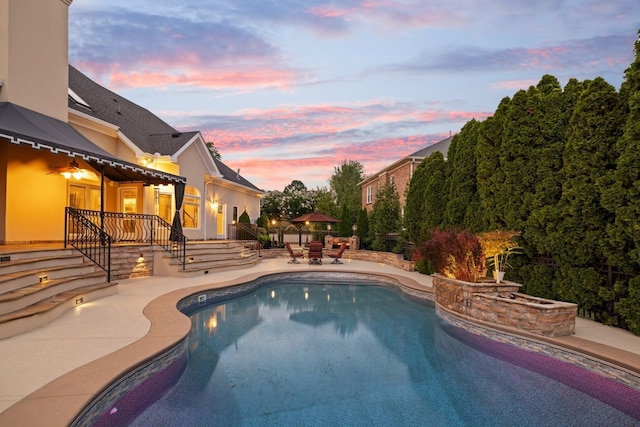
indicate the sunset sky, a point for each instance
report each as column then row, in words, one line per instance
column 289, row 89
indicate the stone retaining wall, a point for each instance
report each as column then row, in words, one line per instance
column 387, row 258
column 502, row 304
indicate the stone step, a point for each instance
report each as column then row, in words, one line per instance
column 17, row 280
column 39, row 263
column 28, row 295
column 46, row 310
column 195, row 269
column 24, row 254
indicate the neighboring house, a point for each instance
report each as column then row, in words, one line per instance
column 215, row 196
column 53, row 120
column 400, row 173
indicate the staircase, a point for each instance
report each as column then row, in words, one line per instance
column 37, row 285
column 206, row 257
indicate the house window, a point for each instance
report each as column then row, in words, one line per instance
column 235, row 214
column 369, row 195
column 191, row 208
column 83, row 197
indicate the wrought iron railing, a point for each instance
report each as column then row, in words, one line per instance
column 88, row 239
column 247, row 234
column 123, row 228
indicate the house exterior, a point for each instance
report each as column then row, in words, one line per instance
column 400, row 173
column 215, row 195
column 54, row 120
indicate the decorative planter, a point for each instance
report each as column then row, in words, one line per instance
column 498, row 275
column 502, row 304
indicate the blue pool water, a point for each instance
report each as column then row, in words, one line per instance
column 314, row 354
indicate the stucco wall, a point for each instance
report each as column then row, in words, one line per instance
column 37, row 80
column 35, row 198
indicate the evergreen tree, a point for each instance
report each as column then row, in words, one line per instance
column 344, row 227
column 545, row 215
column 435, row 197
column 489, row 173
column 386, row 216
column 414, row 207
column 596, row 125
column 363, row 227
column 463, row 201
column 622, row 196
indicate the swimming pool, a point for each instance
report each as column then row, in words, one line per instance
column 314, row 352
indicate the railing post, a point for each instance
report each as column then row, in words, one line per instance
column 108, row 261
column 184, row 254
column 66, row 226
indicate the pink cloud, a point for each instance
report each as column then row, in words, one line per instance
column 280, row 78
column 514, row 85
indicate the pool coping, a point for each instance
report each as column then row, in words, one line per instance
column 60, row 401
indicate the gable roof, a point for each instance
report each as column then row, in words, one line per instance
column 143, row 128
column 146, row 130
column 442, row 146
column 229, row 174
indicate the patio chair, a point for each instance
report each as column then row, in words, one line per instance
column 294, row 255
column 315, row 253
column 337, row 255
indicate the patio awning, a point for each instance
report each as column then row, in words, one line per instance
column 21, row 125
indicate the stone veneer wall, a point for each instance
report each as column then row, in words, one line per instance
column 126, row 262
column 501, row 304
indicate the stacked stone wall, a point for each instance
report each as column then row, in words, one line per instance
column 126, row 262
column 502, row 304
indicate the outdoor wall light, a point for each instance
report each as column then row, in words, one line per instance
column 214, row 205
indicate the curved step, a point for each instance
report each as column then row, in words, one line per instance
column 44, row 311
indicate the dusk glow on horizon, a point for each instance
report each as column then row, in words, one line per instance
column 289, row 90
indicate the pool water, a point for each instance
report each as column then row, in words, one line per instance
column 307, row 353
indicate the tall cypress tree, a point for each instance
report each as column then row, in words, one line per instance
column 588, row 155
column 414, row 207
column 545, row 213
column 435, row 197
column 463, row 204
column 623, row 195
column 489, row 173
column 518, row 158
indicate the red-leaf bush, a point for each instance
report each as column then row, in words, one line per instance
column 453, row 253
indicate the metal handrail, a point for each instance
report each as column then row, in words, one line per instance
column 136, row 228
column 88, row 239
column 247, row 234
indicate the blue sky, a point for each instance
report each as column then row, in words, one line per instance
column 289, row 89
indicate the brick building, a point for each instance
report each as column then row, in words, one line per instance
column 400, row 173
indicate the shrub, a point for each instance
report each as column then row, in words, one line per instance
column 453, row 253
